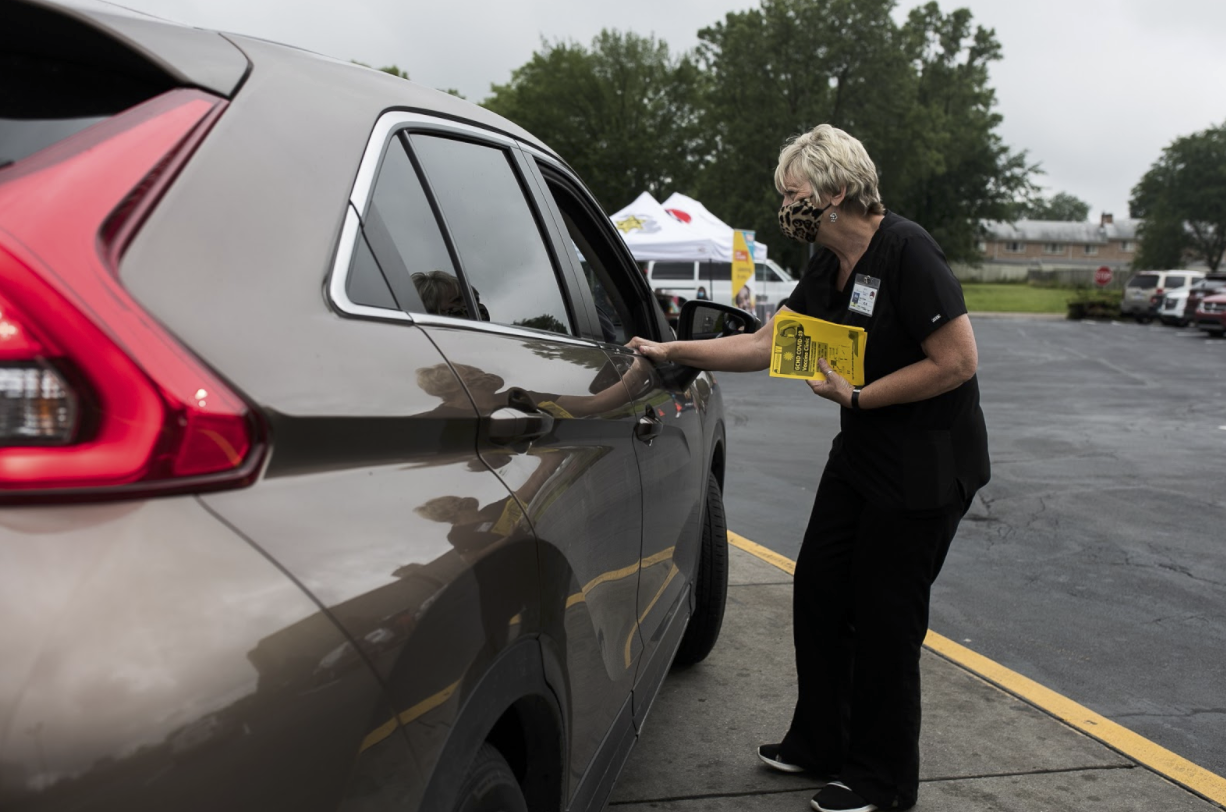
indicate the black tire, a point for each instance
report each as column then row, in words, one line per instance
column 489, row 785
column 711, row 583
column 1143, row 319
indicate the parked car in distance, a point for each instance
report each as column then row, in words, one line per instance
column 1143, row 292
column 1211, row 284
column 1211, row 314
column 1172, row 307
column 327, row 480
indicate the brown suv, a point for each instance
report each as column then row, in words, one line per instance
column 327, row 480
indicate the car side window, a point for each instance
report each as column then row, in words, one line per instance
column 497, row 239
column 672, row 270
column 403, row 232
column 1176, row 281
column 365, row 284
column 592, row 254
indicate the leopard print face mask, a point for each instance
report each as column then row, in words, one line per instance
column 800, row 221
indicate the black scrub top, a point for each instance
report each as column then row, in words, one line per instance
column 910, row 456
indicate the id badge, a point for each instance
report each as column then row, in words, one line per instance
column 864, row 294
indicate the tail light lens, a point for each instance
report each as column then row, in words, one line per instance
column 97, row 399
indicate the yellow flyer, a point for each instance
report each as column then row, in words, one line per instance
column 799, row 341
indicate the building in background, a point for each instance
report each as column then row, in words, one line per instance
column 1065, row 253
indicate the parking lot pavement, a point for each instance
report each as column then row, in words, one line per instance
column 983, row 750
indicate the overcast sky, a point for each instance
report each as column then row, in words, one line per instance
column 1091, row 89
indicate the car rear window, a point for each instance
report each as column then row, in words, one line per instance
column 1145, row 281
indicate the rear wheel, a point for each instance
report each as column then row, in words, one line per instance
column 711, row 584
column 490, row 786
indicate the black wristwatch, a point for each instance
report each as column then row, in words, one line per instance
column 855, row 398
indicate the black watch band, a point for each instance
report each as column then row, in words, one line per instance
column 855, row 398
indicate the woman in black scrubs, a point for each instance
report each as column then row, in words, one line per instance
column 910, row 455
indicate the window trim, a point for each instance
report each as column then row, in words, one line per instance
column 387, row 129
column 337, row 295
column 643, row 304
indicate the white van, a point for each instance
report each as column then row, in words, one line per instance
column 685, row 279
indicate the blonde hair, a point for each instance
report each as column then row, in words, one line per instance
column 832, row 161
column 434, row 288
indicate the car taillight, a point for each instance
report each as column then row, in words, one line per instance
column 97, row 399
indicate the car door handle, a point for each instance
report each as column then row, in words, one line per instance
column 512, row 425
column 649, row 426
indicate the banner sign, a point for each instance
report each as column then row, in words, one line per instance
column 742, row 270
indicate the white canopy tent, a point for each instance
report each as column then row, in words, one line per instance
column 688, row 232
column 687, row 209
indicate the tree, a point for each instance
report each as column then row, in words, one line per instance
column 916, row 95
column 1182, row 199
column 955, row 171
column 622, row 113
column 1061, row 206
column 780, row 70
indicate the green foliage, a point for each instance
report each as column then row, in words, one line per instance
column 629, row 116
column 1061, row 206
column 916, row 95
column 1095, row 304
column 623, row 112
column 952, row 170
column 779, row 70
column 1183, row 201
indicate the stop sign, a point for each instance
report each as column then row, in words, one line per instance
column 1102, row 276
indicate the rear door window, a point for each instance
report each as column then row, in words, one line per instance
column 1176, row 281
column 1145, row 281
column 495, row 233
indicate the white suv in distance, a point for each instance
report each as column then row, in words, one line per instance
column 1171, row 307
column 1144, row 291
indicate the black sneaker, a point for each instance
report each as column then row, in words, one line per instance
column 770, row 755
column 837, row 797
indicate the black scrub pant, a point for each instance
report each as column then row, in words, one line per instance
column 860, row 606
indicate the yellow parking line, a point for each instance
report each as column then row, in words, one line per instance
column 769, row 556
column 1141, row 750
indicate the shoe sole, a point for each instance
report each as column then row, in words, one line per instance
column 869, row 808
column 781, row 766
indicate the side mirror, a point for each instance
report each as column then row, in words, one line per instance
column 702, row 319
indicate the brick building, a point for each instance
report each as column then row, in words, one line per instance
column 1057, row 251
